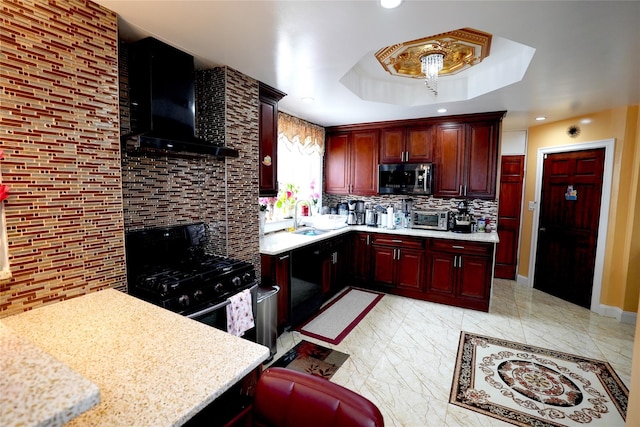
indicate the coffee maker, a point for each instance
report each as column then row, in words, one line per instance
column 351, row 214
column 407, row 206
column 360, row 212
column 462, row 220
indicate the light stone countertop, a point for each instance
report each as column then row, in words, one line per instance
column 283, row 241
column 153, row 367
column 36, row 389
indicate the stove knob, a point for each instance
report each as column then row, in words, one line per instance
column 218, row 287
column 183, row 300
column 198, row 295
column 236, row 281
column 246, row 277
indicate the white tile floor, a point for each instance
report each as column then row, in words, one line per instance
column 402, row 354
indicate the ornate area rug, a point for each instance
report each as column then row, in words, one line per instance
column 336, row 319
column 531, row 386
column 312, row 359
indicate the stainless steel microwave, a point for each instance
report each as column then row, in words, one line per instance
column 405, row 178
column 430, row 220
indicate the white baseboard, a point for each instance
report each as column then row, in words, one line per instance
column 629, row 317
column 522, row 280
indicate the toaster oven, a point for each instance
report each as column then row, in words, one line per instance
column 430, row 220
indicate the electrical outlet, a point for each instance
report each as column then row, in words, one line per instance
column 532, row 206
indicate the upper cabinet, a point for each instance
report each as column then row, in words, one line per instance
column 268, row 148
column 463, row 149
column 351, row 163
column 406, row 144
column 466, row 156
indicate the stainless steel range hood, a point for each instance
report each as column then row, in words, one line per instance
column 162, row 101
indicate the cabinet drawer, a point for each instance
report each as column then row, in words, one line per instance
column 397, row 241
column 461, row 246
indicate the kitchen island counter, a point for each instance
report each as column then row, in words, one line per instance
column 153, row 367
column 283, row 241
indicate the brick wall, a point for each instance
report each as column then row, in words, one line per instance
column 59, row 132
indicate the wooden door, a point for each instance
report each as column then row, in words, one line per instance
column 268, row 148
column 419, row 144
column 449, row 157
column 509, row 211
column 568, row 224
column 360, row 257
column 409, row 269
column 392, row 145
column 364, row 163
column 482, row 149
column 336, row 179
column 382, row 258
column 442, row 274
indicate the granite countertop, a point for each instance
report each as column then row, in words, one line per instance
column 153, row 367
column 283, row 241
column 37, row 389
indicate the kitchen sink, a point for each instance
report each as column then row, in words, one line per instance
column 310, row 232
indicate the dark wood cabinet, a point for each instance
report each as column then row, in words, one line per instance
column 459, row 273
column 398, row 262
column 276, row 270
column 466, row 156
column 450, row 151
column 360, row 256
column 482, row 162
column 463, row 149
column 410, row 144
column 268, row 147
column 351, row 163
column 509, row 210
column 334, row 266
column 337, row 179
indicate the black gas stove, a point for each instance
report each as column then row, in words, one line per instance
column 170, row 267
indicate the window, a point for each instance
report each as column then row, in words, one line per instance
column 300, row 159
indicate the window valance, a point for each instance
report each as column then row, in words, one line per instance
column 300, row 134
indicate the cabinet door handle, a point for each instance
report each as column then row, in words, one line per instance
column 457, row 247
column 396, row 241
column 465, row 190
column 368, row 239
column 398, row 254
column 460, row 261
column 455, row 261
column 282, row 258
column 460, row 191
column 407, row 156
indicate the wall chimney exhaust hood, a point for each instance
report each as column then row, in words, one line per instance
column 162, row 101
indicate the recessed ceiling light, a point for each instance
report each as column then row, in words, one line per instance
column 585, row 121
column 442, row 110
column 390, row 4
column 308, row 99
column 541, row 118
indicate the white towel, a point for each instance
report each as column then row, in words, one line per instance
column 240, row 313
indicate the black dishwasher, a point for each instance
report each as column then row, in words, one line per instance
column 306, row 283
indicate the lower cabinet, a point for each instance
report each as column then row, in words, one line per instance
column 334, row 266
column 453, row 272
column 398, row 262
column 276, row 270
column 459, row 273
column 360, row 255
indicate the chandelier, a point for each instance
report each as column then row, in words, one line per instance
column 433, row 57
column 432, row 63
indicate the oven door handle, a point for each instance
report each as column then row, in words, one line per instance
column 216, row 307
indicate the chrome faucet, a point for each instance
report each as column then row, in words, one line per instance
column 295, row 212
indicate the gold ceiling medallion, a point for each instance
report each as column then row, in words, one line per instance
column 460, row 49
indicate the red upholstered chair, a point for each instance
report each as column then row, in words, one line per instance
column 286, row 398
